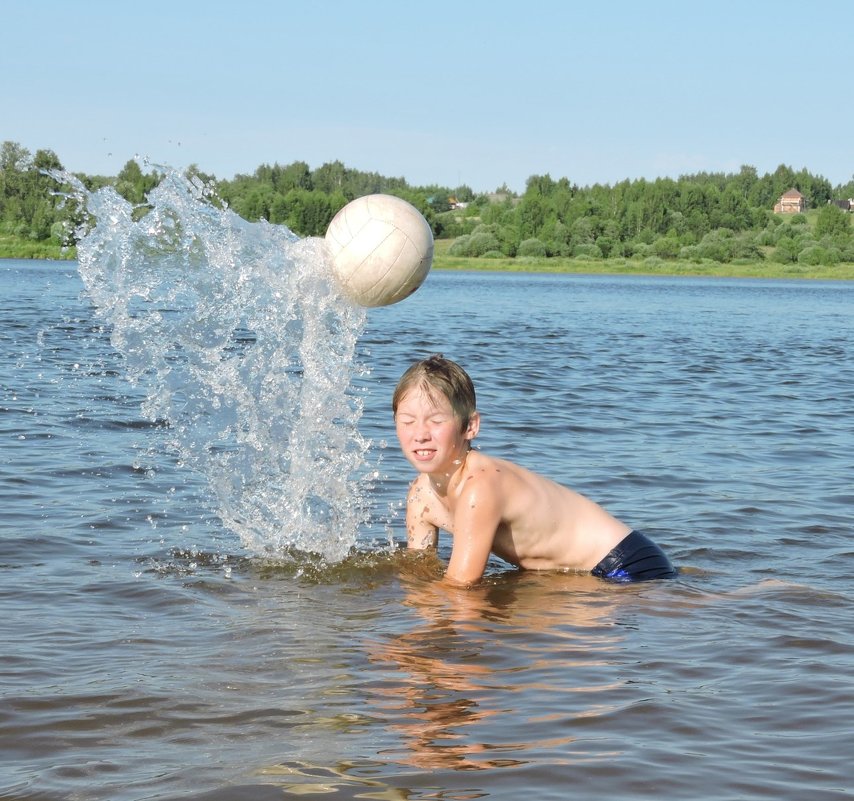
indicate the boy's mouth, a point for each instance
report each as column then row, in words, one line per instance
column 423, row 453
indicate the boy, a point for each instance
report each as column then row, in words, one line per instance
column 491, row 505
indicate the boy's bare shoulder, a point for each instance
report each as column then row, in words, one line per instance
column 478, row 462
column 485, row 478
column 496, row 471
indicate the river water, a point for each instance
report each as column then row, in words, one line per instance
column 149, row 652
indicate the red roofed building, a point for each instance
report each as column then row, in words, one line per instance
column 791, row 202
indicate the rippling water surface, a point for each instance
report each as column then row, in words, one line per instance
column 147, row 654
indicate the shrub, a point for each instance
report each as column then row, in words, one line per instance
column 532, row 248
column 690, row 253
column 450, row 225
column 716, row 250
column 722, row 246
column 60, row 233
column 474, row 245
column 765, row 238
column 786, row 251
column 609, row 246
column 815, row 255
column 617, row 250
column 665, row 248
column 746, row 246
column 587, row 251
column 487, row 228
column 459, row 247
column 811, row 255
column 558, row 249
column 834, row 222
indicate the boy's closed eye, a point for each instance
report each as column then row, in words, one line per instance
column 435, row 420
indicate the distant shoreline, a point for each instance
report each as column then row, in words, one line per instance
column 746, row 269
column 753, row 269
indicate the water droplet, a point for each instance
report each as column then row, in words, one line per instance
column 247, row 350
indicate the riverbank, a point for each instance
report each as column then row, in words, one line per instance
column 650, row 266
column 741, row 268
column 13, row 248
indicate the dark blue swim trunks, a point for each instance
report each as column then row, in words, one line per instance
column 635, row 558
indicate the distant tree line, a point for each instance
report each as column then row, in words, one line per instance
column 706, row 216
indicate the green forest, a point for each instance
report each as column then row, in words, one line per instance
column 723, row 218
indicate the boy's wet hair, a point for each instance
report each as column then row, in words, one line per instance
column 436, row 374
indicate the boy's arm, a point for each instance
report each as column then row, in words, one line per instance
column 477, row 517
column 421, row 533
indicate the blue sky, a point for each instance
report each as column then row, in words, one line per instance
column 477, row 92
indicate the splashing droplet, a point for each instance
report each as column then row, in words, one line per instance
column 246, row 349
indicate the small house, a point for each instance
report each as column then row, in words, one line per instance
column 791, row 202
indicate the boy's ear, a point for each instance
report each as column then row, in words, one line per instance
column 473, row 427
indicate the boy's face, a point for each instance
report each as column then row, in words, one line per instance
column 430, row 435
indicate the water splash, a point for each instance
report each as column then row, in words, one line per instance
column 245, row 349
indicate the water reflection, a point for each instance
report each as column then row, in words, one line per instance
column 453, row 679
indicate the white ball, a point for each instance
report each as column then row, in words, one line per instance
column 381, row 249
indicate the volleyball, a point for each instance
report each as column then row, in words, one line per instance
column 381, row 249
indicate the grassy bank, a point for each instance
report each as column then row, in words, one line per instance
column 649, row 266
column 13, row 247
column 16, row 248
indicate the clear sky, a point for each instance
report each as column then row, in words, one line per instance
column 476, row 92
